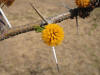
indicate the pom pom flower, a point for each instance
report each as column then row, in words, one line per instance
column 53, row 34
column 83, row 3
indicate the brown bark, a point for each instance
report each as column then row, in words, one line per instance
column 26, row 28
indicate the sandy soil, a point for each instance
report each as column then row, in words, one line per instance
column 26, row 54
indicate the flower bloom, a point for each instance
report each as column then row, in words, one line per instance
column 53, row 34
column 83, row 3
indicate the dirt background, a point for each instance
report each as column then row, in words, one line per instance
column 26, row 54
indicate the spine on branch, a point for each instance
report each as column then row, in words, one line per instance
column 68, row 15
column 26, row 28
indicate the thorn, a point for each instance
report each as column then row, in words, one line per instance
column 58, row 68
column 37, row 11
column 54, row 52
column 77, row 25
column 5, row 18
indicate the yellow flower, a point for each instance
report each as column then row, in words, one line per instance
column 83, row 3
column 53, row 34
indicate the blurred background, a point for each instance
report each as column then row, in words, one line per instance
column 26, row 54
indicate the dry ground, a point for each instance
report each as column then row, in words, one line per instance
column 26, row 54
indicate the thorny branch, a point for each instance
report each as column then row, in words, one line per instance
column 26, row 28
column 56, row 19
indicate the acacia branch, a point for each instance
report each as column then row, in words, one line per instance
column 56, row 19
column 26, row 28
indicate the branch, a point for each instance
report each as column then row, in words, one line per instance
column 26, row 28
column 56, row 19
